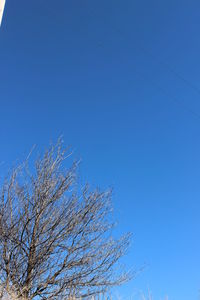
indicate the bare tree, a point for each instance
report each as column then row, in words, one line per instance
column 55, row 238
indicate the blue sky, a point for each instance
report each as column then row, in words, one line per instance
column 120, row 81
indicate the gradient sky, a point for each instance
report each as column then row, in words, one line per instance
column 120, row 80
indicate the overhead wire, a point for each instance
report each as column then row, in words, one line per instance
column 166, row 66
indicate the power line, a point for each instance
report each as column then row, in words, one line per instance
column 171, row 70
column 173, row 98
column 166, row 66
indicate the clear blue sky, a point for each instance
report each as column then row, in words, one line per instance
column 121, row 81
